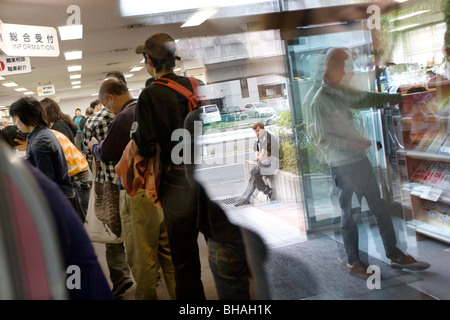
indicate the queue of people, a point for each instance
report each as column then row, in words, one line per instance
column 162, row 236
column 157, row 238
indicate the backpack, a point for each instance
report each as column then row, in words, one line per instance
column 137, row 172
column 191, row 96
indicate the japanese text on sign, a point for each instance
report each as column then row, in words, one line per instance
column 46, row 90
column 14, row 65
column 23, row 40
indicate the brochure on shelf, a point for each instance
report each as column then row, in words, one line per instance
column 445, row 147
column 437, row 142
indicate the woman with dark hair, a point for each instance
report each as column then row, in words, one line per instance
column 15, row 138
column 44, row 150
column 57, row 120
column 74, row 243
column 76, row 162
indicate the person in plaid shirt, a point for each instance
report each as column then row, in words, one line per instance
column 97, row 126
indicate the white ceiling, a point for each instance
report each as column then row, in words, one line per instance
column 107, row 44
column 109, row 39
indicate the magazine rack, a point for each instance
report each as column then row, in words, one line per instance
column 424, row 161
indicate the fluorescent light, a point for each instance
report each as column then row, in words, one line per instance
column 177, row 69
column 75, row 76
column 142, row 61
column 71, row 32
column 94, row 94
column 73, row 55
column 199, row 17
column 28, row 92
column 10, row 84
column 21, row 89
column 136, row 69
column 74, row 68
column 128, row 75
column 75, row 82
column 323, row 25
column 1, row 78
column 76, row 87
column 405, row 27
column 406, row 16
column 141, row 7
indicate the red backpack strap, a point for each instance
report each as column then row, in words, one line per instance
column 191, row 96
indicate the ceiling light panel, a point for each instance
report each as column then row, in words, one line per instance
column 75, row 76
column 71, row 32
column 10, row 84
column 73, row 55
column 74, row 68
column 199, row 17
column 141, row 7
column 135, row 69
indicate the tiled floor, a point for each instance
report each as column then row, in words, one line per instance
column 278, row 224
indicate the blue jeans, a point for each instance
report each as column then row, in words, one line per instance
column 230, row 270
column 358, row 178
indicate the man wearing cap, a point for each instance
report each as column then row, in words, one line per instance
column 159, row 112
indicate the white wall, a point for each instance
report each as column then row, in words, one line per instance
column 69, row 106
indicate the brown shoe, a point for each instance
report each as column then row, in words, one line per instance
column 359, row 269
column 405, row 261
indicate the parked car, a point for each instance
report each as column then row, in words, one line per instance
column 233, row 114
column 210, row 114
column 258, row 109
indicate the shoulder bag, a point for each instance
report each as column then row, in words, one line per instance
column 103, row 223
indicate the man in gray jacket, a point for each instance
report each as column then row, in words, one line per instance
column 267, row 154
column 345, row 151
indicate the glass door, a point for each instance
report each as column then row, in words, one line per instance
column 306, row 59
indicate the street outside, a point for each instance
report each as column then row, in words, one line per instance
column 224, row 153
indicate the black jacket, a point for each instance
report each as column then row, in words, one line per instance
column 45, row 152
column 66, row 129
column 159, row 112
